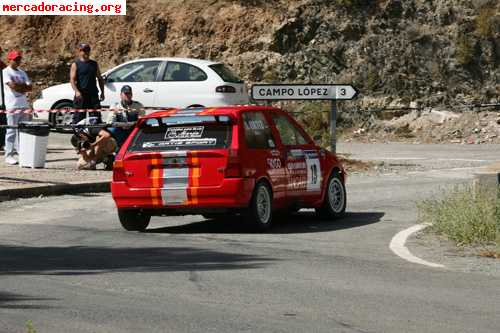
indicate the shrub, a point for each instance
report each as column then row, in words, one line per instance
column 314, row 116
column 372, row 78
column 464, row 50
column 30, row 327
column 464, row 215
column 484, row 22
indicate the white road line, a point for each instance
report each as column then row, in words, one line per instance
column 397, row 246
column 391, row 158
column 373, row 158
column 461, row 160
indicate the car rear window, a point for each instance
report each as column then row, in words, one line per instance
column 182, row 133
column 225, row 73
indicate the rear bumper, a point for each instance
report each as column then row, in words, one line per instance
column 233, row 193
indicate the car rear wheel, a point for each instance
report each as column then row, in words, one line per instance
column 260, row 212
column 133, row 219
column 61, row 118
column 335, row 200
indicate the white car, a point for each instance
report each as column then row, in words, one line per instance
column 156, row 83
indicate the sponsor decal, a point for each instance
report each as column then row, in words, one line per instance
column 182, row 136
column 181, row 142
column 184, row 132
column 274, row 163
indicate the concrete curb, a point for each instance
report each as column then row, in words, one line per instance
column 52, row 190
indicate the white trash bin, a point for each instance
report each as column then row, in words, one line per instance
column 33, row 142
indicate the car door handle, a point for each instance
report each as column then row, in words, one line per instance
column 147, row 90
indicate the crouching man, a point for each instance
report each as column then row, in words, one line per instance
column 94, row 145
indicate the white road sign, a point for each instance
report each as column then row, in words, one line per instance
column 303, row 92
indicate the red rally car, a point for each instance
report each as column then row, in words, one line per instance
column 242, row 161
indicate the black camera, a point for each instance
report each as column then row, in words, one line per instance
column 79, row 143
column 83, row 145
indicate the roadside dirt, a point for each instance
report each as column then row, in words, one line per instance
column 430, row 126
column 434, row 248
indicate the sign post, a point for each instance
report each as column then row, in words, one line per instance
column 333, row 92
column 333, row 127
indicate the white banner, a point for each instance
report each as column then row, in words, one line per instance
column 63, row 7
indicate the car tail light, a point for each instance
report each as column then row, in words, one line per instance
column 233, row 167
column 119, row 174
column 225, row 89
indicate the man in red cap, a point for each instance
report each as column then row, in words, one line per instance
column 16, row 85
column 84, row 74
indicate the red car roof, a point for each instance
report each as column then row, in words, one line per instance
column 219, row 110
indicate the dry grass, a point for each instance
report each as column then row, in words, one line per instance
column 351, row 165
column 465, row 216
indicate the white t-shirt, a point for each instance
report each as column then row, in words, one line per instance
column 13, row 99
column 133, row 109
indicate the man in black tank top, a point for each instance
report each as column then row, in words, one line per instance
column 84, row 75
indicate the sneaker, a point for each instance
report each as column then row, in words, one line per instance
column 10, row 160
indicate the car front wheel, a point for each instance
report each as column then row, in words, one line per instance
column 61, row 118
column 260, row 213
column 335, row 200
column 133, row 219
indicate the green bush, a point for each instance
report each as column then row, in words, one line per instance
column 30, row 327
column 314, row 116
column 464, row 215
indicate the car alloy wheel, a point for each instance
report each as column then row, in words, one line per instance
column 336, row 195
column 334, row 203
column 63, row 118
column 263, row 205
column 260, row 211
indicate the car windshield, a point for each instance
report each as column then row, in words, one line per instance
column 225, row 73
column 182, row 133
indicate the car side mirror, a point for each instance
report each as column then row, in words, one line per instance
column 104, row 77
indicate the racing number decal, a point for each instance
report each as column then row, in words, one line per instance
column 314, row 174
column 313, row 171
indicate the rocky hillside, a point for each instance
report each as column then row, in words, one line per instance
column 432, row 52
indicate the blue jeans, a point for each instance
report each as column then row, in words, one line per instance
column 12, row 134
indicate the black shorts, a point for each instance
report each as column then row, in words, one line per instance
column 86, row 102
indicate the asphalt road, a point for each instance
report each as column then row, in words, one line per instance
column 66, row 264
